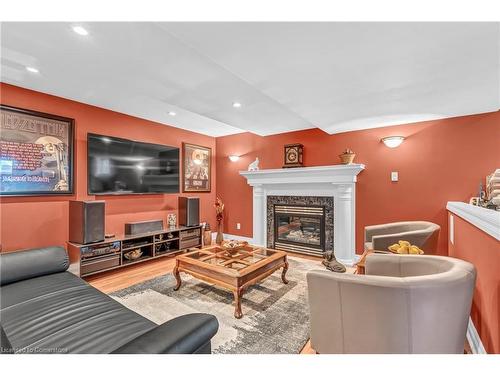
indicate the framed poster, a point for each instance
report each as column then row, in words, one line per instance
column 197, row 167
column 36, row 153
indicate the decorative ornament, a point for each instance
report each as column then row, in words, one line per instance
column 331, row 263
column 172, row 220
column 254, row 166
column 347, row 157
column 219, row 215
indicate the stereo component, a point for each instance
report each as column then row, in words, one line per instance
column 189, row 211
column 101, row 249
column 100, row 263
column 139, row 227
column 86, row 221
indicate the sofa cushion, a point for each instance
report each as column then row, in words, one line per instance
column 21, row 265
column 62, row 313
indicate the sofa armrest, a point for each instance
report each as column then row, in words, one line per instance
column 5, row 345
column 26, row 264
column 185, row 334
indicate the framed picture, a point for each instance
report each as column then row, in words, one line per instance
column 36, row 153
column 197, row 167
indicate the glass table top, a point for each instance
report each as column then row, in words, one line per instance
column 241, row 259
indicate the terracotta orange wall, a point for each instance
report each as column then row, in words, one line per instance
column 440, row 161
column 40, row 221
column 482, row 250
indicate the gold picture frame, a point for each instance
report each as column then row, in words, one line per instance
column 197, row 168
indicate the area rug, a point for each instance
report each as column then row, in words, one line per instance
column 275, row 320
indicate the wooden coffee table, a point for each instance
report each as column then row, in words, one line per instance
column 235, row 273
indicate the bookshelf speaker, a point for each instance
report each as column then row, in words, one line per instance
column 189, row 211
column 86, row 221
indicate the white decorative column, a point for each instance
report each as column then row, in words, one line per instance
column 337, row 181
column 343, row 223
column 259, row 215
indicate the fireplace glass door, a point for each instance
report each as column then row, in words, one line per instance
column 299, row 228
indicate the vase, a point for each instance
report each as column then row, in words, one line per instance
column 220, row 236
column 207, row 238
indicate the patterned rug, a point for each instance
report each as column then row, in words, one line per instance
column 275, row 320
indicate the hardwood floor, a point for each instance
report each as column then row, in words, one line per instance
column 112, row 281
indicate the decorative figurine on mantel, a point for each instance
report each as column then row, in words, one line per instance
column 294, row 155
column 331, row 263
column 347, row 157
column 219, row 215
column 254, row 166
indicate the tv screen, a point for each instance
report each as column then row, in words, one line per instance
column 121, row 166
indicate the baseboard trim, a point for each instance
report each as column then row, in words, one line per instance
column 474, row 340
column 233, row 237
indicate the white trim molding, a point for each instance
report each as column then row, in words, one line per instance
column 228, row 236
column 337, row 181
column 474, row 340
column 486, row 220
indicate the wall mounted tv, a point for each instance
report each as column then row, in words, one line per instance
column 121, row 166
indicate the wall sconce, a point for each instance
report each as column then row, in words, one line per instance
column 234, row 158
column 393, row 141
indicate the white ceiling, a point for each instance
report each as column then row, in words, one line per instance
column 288, row 76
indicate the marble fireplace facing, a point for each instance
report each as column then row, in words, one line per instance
column 330, row 191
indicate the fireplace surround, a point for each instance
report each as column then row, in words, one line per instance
column 335, row 181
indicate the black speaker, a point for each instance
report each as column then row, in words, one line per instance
column 189, row 211
column 138, row 227
column 86, row 221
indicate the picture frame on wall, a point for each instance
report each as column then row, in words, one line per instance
column 36, row 153
column 197, row 168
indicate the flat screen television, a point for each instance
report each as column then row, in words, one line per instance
column 122, row 166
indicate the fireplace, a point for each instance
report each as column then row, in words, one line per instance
column 330, row 186
column 299, row 228
column 300, row 224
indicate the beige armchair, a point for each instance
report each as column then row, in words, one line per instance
column 403, row 304
column 423, row 234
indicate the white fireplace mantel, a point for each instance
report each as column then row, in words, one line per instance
column 337, row 181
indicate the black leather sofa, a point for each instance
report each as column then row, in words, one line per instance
column 46, row 309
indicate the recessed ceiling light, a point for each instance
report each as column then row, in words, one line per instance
column 32, row 70
column 236, row 105
column 80, row 30
column 171, row 113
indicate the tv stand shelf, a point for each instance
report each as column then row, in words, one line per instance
column 89, row 259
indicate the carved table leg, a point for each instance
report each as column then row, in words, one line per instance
column 283, row 273
column 237, row 303
column 177, row 277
